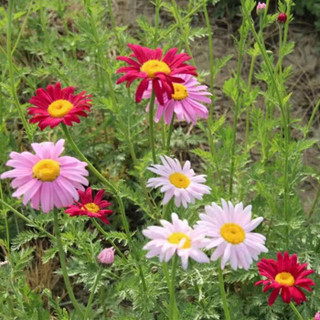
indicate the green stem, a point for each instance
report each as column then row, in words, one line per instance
column 243, row 36
column 185, row 18
column 151, row 121
column 284, row 114
column 173, row 302
column 315, row 202
column 116, row 193
column 113, row 24
column 253, row 60
column 11, row 73
column 96, row 223
column 29, row 222
column 223, row 294
column 156, row 23
column 295, row 310
column 170, row 133
column 63, row 263
column 314, row 112
column 93, row 290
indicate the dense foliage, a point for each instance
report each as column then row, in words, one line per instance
column 252, row 152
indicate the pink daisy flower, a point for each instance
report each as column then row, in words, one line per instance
column 186, row 101
column 151, row 66
column 55, row 105
column 45, row 178
column 87, row 206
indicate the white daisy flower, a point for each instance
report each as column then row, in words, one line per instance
column 176, row 237
column 181, row 183
column 229, row 229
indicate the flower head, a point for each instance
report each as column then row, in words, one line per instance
column 87, row 206
column 261, row 7
column 317, row 316
column 285, row 275
column 186, row 101
column 176, row 237
column 55, row 105
column 229, row 228
column 178, row 182
column 151, row 66
column 282, row 18
column 106, row 256
column 46, row 178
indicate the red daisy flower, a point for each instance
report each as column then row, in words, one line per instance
column 90, row 207
column 55, row 105
column 149, row 65
column 285, row 275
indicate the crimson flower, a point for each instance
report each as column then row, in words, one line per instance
column 90, row 207
column 55, row 105
column 282, row 18
column 150, row 65
column 285, row 275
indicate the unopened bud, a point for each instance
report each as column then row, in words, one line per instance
column 260, row 8
column 282, row 18
column 106, row 256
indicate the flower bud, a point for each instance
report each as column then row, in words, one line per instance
column 317, row 316
column 260, row 8
column 282, row 18
column 106, row 256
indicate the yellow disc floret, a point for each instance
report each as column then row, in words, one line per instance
column 285, row 278
column 92, row 207
column 59, row 108
column 179, row 180
column 46, row 170
column 176, row 237
column 151, row 67
column 232, row 233
column 180, row 92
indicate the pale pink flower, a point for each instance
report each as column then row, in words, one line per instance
column 45, row 178
column 176, row 237
column 260, row 8
column 317, row 316
column 186, row 101
column 106, row 256
column 229, row 229
column 178, row 182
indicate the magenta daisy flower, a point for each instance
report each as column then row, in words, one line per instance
column 186, row 101
column 151, row 66
column 55, row 105
column 45, row 178
column 87, row 206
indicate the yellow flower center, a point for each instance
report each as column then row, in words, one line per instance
column 179, row 180
column 285, row 278
column 46, row 170
column 92, row 207
column 176, row 237
column 180, row 92
column 232, row 233
column 59, row 108
column 151, row 67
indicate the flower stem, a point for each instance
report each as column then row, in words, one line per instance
column 93, row 290
column 295, row 310
column 151, row 120
column 96, row 223
column 170, row 133
column 314, row 112
column 223, row 294
column 11, row 75
column 63, row 264
column 116, row 193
